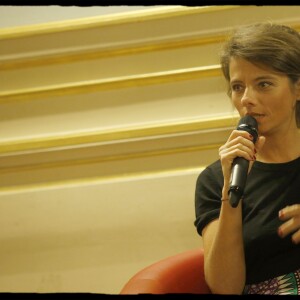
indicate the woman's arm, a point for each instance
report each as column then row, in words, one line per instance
column 224, row 264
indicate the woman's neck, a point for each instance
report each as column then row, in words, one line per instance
column 280, row 149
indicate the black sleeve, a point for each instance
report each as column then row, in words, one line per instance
column 208, row 195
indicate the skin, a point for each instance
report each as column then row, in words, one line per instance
column 270, row 97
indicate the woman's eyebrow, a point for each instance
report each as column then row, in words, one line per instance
column 265, row 77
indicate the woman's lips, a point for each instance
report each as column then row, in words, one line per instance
column 256, row 115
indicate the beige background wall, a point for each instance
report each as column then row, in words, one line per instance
column 106, row 121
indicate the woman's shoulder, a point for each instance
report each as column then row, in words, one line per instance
column 214, row 168
column 212, row 172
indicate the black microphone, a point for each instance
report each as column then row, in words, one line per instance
column 240, row 165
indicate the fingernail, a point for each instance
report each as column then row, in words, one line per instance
column 279, row 231
column 281, row 214
column 251, row 136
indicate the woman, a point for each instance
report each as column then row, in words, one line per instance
column 255, row 247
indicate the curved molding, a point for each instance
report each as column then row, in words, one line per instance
column 142, row 132
column 110, row 83
column 98, row 180
column 36, row 60
column 92, row 161
column 84, row 55
column 108, row 20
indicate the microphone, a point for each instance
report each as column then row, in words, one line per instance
column 240, row 165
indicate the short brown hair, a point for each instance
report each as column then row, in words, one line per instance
column 273, row 45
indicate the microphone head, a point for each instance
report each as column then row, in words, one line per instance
column 249, row 124
column 249, row 121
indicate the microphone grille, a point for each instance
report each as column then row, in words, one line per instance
column 248, row 120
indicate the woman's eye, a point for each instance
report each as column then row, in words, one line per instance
column 264, row 84
column 236, row 88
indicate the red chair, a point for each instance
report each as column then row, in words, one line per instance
column 181, row 273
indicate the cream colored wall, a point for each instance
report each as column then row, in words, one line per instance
column 18, row 15
column 105, row 124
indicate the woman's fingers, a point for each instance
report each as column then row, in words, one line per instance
column 290, row 214
column 240, row 143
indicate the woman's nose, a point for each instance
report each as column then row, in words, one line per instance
column 248, row 98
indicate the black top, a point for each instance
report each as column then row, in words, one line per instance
column 269, row 188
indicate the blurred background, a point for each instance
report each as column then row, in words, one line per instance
column 108, row 115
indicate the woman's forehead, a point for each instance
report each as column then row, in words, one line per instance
column 241, row 66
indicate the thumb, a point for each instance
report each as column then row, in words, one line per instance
column 258, row 146
column 260, row 143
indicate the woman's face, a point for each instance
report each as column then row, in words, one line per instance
column 264, row 94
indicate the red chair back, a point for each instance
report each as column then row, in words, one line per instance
column 181, row 273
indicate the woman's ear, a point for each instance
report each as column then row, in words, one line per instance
column 298, row 113
column 297, row 85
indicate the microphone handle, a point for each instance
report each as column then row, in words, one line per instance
column 238, row 180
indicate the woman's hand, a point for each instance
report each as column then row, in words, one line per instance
column 290, row 214
column 239, row 144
